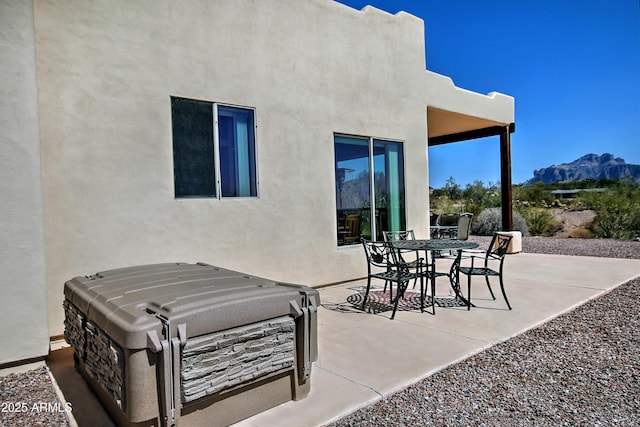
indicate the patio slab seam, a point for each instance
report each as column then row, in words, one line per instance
column 351, row 380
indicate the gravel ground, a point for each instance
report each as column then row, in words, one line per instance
column 582, row 368
column 29, row 399
column 606, row 248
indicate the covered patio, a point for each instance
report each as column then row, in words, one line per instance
column 449, row 127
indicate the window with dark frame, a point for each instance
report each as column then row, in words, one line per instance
column 214, row 151
column 370, row 195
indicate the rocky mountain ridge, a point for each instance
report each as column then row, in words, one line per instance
column 590, row 166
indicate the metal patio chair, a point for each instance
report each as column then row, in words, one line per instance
column 495, row 255
column 464, row 226
column 424, row 269
column 394, row 236
column 384, row 263
column 449, row 226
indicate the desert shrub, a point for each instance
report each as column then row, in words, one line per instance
column 617, row 211
column 540, row 221
column 581, row 233
column 537, row 194
column 490, row 220
column 443, row 204
column 479, row 196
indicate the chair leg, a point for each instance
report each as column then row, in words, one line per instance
column 366, row 293
column 399, row 293
column 489, row 286
column 504, row 293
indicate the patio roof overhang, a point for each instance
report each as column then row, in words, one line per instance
column 446, row 127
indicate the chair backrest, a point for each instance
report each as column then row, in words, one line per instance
column 448, row 219
column 433, row 219
column 499, row 245
column 464, row 226
column 392, row 236
column 352, row 225
column 379, row 254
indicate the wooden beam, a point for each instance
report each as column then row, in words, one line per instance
column 471, row 134
column 505, row 178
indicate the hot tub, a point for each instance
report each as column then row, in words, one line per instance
column 190, row 344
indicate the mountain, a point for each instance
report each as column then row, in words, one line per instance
column 590, row 166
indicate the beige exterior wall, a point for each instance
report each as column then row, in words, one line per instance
column 106, row 70
column 23, row 304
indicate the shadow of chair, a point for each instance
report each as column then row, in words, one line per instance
column 383, row 263
column 494, row 255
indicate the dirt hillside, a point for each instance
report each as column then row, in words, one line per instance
column 573, row 222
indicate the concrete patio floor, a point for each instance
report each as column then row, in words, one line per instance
column 364, row 357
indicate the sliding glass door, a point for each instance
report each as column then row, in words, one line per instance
column 369, row 188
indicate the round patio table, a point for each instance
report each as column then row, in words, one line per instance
column 437, row 245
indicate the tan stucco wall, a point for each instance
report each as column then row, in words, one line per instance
column 106, row 71
column 23, row 303
column 442, row 93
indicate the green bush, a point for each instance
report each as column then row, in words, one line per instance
column 490, row 220
column 540, row 221
column 443, row 204
column 477, row 196
column 538, row 194
column 617, row 211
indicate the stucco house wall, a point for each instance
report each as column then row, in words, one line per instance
column 106, row 72
column 87, row 173
column 23, row 302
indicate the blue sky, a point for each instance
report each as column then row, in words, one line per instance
column 573, row 67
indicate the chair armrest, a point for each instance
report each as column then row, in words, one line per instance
column 472, row 256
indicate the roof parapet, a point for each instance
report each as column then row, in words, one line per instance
column 373, row 12
column 445, row 95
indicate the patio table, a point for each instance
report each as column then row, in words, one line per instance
column 437, row 245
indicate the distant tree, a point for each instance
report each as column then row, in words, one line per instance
column 536, row 194
column 452, row 189
column 474, row 193
column 484, row 197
